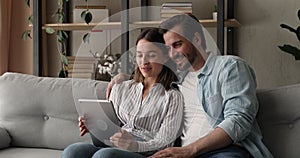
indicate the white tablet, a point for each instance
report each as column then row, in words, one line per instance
column 101, row 119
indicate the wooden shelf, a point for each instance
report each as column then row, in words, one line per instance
column 204, row 22
column 84, row 26
column 140, row 24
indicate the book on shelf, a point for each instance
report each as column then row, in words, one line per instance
column 177, row 4
column 174, row 8
column 81, row 67
column 81, row 75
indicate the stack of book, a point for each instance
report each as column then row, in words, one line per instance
column 81, row 67
column 174, row 8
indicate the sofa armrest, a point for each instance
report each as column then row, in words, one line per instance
column 5, row 138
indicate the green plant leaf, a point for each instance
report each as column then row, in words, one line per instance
column 287, row 27
column 83, row 14
column 86, row 38
column 65, row 34
column 299, row 14
column 59, row 2
column 30, row 19
column 26, row 34
column 60, row 18
column 27, row 2
column 298, row 33
column 64, row 59
column 291, row 50
column 63, row 73
column 88, row 17
column 215, row 8
column 50, row 30
column 61, row 36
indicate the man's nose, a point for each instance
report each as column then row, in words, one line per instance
column 171, row 52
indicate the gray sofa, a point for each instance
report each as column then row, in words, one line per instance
column 279, row 120
column 38, row 117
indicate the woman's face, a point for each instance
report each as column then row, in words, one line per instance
column 149, row 58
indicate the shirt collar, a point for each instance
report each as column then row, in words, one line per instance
column 208, row 66
column 205, row 70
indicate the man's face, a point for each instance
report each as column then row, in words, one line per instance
column 181, row 51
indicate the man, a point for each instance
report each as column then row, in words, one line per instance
column 221, row 121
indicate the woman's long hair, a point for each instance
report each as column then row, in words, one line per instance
column 167, row 74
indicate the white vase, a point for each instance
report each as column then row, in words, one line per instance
column 215, row 15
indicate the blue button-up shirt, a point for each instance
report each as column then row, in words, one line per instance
column 227, row 91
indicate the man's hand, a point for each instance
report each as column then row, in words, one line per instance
column 174, row 152
column 124, row 140
column 115, row 80
column 216, row 139
column 82, row 127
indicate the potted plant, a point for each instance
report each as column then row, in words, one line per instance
column 287, row 48
column 61, row 35
column 215, row 13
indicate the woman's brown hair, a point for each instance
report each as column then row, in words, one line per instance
column 167, row 74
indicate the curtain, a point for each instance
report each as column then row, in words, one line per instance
column 5, row 6
column 16, row 55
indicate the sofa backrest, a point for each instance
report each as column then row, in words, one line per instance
column 279, row 120
column 41, row 112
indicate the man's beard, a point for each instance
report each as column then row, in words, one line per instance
column 189, row 61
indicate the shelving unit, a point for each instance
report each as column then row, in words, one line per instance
column 138, row 24
column 230, row 23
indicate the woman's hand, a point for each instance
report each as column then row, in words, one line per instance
column 82, row 128
column 124, row 140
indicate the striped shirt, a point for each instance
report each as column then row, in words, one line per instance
column 156, row 121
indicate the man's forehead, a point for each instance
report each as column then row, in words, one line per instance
column 173, row 38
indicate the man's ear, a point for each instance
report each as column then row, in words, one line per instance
column 197, row 39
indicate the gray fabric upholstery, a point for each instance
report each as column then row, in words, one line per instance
column 40, row 112
column 29, row 153
column 4, row 138
column 279, row 119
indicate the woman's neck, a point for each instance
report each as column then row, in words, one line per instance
column 147, row 83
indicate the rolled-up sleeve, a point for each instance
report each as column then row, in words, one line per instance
column 238, row 90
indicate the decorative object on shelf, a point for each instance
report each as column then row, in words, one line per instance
column 287, row 48
column 106, row 67
column 215, row 13
column 109, row 65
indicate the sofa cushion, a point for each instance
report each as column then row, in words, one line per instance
column 279, row 120
column 4, row 137
column 29, row 153
column 40, row 111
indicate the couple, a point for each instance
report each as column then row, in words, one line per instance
column 219, row 94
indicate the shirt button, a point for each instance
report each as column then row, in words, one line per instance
column 46, row 117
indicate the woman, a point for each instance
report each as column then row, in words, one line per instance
column 147, row 106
